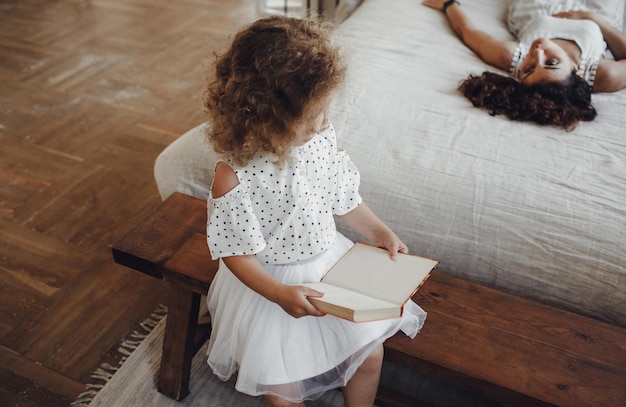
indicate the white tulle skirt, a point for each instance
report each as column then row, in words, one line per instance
column 294, row 358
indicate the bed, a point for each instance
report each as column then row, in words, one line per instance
column 534, row 211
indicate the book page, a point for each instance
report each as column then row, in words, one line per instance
column 369, row 270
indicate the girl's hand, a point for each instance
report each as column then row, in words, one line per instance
column 293, row 299
column 392, row 243
column 436, row 4
column 364, row 221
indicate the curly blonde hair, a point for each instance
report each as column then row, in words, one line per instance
column 262, row 84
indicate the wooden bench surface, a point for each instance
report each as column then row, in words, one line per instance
column 495, row 344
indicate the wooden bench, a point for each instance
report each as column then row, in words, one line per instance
column 500, row 346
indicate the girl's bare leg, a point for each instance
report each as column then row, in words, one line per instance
column 275, row 401
column 361, row 389
column 359, row 392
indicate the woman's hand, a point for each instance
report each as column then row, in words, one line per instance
column 577, row 15
column 293, row 299
column 611, row 75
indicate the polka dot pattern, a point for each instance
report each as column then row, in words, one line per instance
column 284, row 213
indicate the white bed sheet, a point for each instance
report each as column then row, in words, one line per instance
column 532, row 210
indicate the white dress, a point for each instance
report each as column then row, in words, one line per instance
column 284, row 216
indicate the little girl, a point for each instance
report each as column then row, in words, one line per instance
column 279, row 183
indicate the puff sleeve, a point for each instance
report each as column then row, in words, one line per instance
column 233, row 228
column 347, row 195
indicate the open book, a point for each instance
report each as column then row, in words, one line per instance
column 366, row 285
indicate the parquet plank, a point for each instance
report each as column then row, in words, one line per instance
column 90, row 93
column 47, row 378
column 22, row 390
column 19, row 57
column 40, row 264
column 73, row 340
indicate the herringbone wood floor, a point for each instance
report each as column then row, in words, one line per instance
column 90, row 93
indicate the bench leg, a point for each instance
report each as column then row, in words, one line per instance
column 178, row 343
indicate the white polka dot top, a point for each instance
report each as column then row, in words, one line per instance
column 284, row 213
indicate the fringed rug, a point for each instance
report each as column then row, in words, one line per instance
column 134, row 382
column 106, row 372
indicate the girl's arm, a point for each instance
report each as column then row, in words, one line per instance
column 611, row 74
column 247, row 268
column 291, row 298
column 364, row 221
column 494, row 52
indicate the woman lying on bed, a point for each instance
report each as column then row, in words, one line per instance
column 556, row 63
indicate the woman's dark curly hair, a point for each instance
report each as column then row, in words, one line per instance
column 558, row 104
column 262, row 84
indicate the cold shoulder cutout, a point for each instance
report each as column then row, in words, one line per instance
column 224, row 181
